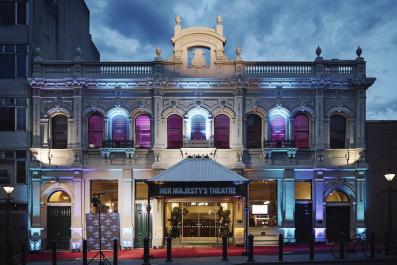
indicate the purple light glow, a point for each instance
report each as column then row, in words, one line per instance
column 142, row 131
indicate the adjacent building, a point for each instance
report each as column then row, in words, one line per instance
column 197, row 146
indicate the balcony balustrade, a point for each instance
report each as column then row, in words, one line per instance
column 193, row 143
column 117, row 146
column 279, row 146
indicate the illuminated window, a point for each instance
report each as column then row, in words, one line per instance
column 254, row 131
column 263, row 202
column 337, row 132
column 142, row 131
column 174, row 131
column 59, row 132
column 109, row 197
column 277, row 124
column 303, row 190
column 198, row 127
column 141, row 190
column 59, row 197
column 95, row 131
column 337, row 196
column 119, row 127
column 301, row 131
column 221, row 131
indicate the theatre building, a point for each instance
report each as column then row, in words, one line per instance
column 197, row 146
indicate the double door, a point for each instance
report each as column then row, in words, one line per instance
column 58, row 226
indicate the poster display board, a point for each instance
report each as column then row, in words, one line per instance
column 110, row 224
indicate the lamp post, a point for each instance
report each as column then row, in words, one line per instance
column 389, row 177
column 8, row 190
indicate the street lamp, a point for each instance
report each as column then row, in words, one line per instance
column 8, row 190
column 389, row 177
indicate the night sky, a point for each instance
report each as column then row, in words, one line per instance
column 130, row 30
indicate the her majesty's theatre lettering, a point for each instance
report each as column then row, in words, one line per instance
column 195, row 190
column 198, row 191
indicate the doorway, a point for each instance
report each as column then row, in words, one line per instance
column 303, row 222
column 58, row 226
column 337, row 212
column 141, row 225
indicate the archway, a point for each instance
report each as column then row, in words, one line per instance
column 59, row 219
column 337, row 215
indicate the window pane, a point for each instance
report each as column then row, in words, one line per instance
column 301, row 131
column 21, row 12
column 254, row 131
column 21, row 119
column 338, row 132
column 142, row 131
column 337, row 196
column 303, row 190
column 21, row 172
column 109, row 199
column 59, row 132
column 7, row 66
column 95, row 131
column 7, row 119
column 7, row 13
column 20, row 101
column 59, row 197
column 6, row 170
column 174, row 131
column 263, row 201
column 221, row 131
column 21, row 154
column 277, row 128
column 141, row 191
column 21, row 65
column 198, row 127
column 119, row 128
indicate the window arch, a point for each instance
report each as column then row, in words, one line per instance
column 337, row 132
column 174, row 131
column 59, row 124
column 337, row 197
column 301, row 131
column 254, row 131
column 95, row 130
column 119, row 127
column 59, row 196
column 221, row 131
column 142, row 131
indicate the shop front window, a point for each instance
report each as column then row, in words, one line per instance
column 303, row 190
column 263, row 203
column 141, row 191
column 109, row 195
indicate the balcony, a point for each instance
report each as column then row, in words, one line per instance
column 279, row 146
column 203, row 148
column 193, row 143
column 118, row 146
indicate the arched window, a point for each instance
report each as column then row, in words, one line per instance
column 59, row 132
column 174, row 131
column 301, row 131
column 254, row 131
column 142, row 131
column 277, row 124
column 198, row 127
column 119, row 127
column 221, row 131
column 59, row 196
column 95, row 130
column 337, row 196
column 337, row 132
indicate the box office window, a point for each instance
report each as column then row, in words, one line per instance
column 109, row 197
column 303, row 190
column 263, row 203
column 141, row 190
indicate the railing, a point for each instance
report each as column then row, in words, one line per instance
column 271, row 68
column 279, row 144
column 117, row 68
column 118, row 144
column 192, row 143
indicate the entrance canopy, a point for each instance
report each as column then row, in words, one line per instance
column 197, row 177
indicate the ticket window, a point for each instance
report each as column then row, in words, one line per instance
column 263, row 203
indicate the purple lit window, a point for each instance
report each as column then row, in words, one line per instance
column 198, row 127
column 119, row 128
column 221, row 131
column 142, row 131
column 59, row 132
column 277, row 127
column 254, row 131
column 301, row 131
column 95, row 130
column 338, row 132
column 174, row 131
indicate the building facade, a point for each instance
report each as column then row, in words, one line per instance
column 295, row 130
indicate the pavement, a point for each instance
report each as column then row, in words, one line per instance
column 323, row 258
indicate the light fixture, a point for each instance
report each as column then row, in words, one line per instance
column 8, row 189
column 390, row 176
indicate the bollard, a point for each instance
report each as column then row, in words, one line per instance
column 224, row 248
column 372, row 245
column 23, row 254
column 341, row 245
column 85, row 252
column 250, row 248
column 169, row 249
column 280, row 247
column 387, row 243
column 311, row 246
column 146, row 251
column 115, row 251
column 54, row 252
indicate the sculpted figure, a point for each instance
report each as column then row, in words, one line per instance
column 198, row 58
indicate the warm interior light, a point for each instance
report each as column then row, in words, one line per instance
column 8, row 189
column 390, row 176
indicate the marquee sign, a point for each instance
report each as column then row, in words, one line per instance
column 196, row 189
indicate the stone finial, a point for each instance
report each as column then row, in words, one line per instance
column 238, row 54
column 177, row 20
column 219, row 20
column 158, row 53
column 318, row 51
column 359, row 51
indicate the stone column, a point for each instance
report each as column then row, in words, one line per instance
column 318, row 203
column 360, row 201
column 36, row 101
column 320, row 126
column 36, row 227
column 289, row 206
column 125, row 205
column 44, row 127
column 157, row 223
column 76, row 241
column 239, row 108
column 158, row 140
column 77, row 106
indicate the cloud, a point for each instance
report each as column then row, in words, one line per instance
column 287, row 30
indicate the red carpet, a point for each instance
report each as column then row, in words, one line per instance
column 180, row 252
